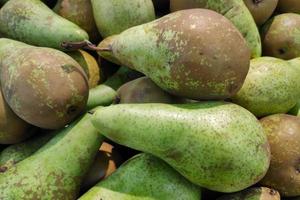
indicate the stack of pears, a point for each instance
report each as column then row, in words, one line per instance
column 149, row 100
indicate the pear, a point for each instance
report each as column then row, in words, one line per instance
column 189, row 53
column 271, row 86
column 261, row 10
column 57, row 169
column 114, row 16
column 235, row 11
column 105, row 94
column 13, row 154
column 107, row 160
column 79, row 12
column 281, row 36
column 32, row 22
column 44, row 87
column 216, row 145
column 283, row 132
column 143, row 90
column 12, row 128
column 144, row 177
column 261, row 193
column 89, row 64
column 289, row 6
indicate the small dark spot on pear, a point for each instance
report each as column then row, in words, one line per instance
column 3, row 169
column 71, row 110
column 281, row 51
column 68, row 68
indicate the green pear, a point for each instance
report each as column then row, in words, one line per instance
column 114, row 16
column 281, row 36
column 271, row 86
column 18, row 152
column 144, row 177
column 260, row 193
column 289, row 6
column 31, row 21
column 261, row 10
column 189, row 53
column 216, row 145
column 235, row 11
column 105, row 94
column 283, row 132
column 79, row 12
column 143, row 90
column 57, row 169
column 44, row 87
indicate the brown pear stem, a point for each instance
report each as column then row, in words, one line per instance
column 87, row 45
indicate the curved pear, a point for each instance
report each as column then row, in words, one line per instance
column 216, row 145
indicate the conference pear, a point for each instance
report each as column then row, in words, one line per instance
column 144, row 177
column 283, row 132
column 190, row 53
column 261, row 10
column 271, row 86
column 217, row 145
column 44, row 87
column 281, row 36
column 235, row 11
column 56, row 170
column 32, row 22
column 261, row 193
column 13, row 154
column 79, row 12
column 114, row 16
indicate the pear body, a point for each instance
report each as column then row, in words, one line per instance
column 45, row 79
column 235, row 11
column 32, row 22
column 216, row 145
column 144, row 177
column 56, row 170
column 271, row 87
column 190, row 53
column 114, row 16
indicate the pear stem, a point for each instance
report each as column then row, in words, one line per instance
column 87, row 45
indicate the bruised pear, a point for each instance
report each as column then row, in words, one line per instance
column 190, row 53
column 43, row 86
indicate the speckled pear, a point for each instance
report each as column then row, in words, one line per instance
column 57, row 169
column 32, row 22
column 217, row 145
column 190, row 53
column 144, row 177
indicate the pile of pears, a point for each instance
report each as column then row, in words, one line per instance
column 149, row 99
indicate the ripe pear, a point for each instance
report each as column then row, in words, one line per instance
column 107, row 160
column 190, row 53
column 261, row 193
column 18, row 152
column 32, row 22
column 261, row 10
column 289, row 6
column 57, row 169
column 89, row 65
column 216, row 145
column 235, row 11
column 271, row 86
column 79, row 12
column 281, row 36
column 143, row 90
column 144, row 177
column 114, row 16
column 283, row 132
column 44, row 87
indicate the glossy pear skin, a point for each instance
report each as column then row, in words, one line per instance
column 56, row 170
column 32, row 22
column 186, row 55
column 235, row 11
column 144, row 177
column 216, row 145
column 42, row 78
